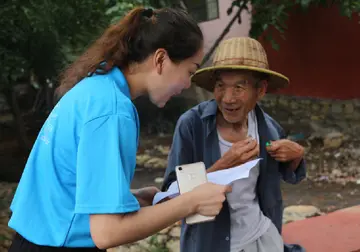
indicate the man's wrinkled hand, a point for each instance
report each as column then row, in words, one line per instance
column 285, row 150
column 239, row 153
column 145, row 195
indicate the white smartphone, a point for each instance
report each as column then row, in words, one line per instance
column 190, row 176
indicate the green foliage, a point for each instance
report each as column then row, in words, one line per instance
column 120, row 8
column 267, row 13
column 154, row 245
column 39, row 36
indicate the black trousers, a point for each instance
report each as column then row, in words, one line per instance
column 21, row 244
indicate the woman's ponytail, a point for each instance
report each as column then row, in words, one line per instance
column 134, row 38
column 111, row 47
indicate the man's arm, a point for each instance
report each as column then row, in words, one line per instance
column 293, row 172
column 181, row 151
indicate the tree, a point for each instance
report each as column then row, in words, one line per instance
column 37, row 39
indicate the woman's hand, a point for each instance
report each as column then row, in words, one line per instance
column 208, row 198
column 145, row 195
column 111, row 230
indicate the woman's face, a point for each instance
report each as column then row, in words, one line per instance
column 169, row 78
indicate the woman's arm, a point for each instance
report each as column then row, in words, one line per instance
column 111, row 230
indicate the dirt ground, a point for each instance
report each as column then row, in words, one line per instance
column 326, row 196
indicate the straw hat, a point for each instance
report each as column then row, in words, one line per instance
column 241, row 53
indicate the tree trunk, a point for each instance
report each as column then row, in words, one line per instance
column 19, row 124
column 48, row 92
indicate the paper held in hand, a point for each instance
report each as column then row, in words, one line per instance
column 222, row 177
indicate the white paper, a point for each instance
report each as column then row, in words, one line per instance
column 223, row 177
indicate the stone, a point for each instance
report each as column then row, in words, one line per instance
column 325, row 108
column 173, row 245
column 355, row 153
column 336, row 173
column 349, row 108
column 315, row 118
column 144, row 244
column 175, row 232
column 315, row 107
column 164, row 150
column 156, row 163
column 313, row 167
column 294, row 213
column 142, row 159
column 294, row 105
column 161, row 238
column 159, row 180
column 136, row 248
column 333, row 140
column 122, row 249
column 284, row 102
column 336, row 108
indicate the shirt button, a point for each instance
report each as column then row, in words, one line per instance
column 227, row 238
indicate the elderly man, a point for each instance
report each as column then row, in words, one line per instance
column 231, row 130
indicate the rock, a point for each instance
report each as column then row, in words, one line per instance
column 159, row 180
column 136, row 248
column 336, row 108
column 164, row 150
column 142, row 159
column 315, row 107
column 355, row 153
column 144, row 244
column 336, row 173
column 156, row 163
column 333, row 140
column 175, row 232
column 294, row 213
column 349, row 108
column 161, row 239
column 118, row 249
column 173, row 245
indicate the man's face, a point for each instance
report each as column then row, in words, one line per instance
column 236, row 93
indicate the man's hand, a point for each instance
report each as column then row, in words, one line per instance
column 145, row 195
column 239, row 153
column 285, row 150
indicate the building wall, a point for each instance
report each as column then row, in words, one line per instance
column 212, row 29
column 320, row 54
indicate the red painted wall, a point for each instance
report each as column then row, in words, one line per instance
column 321, row 54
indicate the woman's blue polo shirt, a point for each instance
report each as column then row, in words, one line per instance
column 82, row 163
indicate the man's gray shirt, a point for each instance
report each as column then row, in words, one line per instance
column 196, row 140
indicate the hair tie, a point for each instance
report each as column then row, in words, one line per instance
column 148, row 13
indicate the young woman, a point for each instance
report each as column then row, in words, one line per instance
column 75, row 192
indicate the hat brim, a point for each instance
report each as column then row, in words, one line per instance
column 204, row 77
